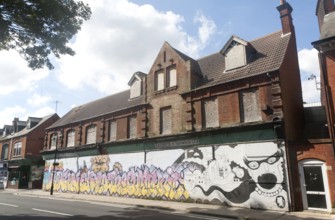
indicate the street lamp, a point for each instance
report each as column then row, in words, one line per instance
column 317, row 84
column 54, row 139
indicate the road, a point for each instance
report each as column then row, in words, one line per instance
column 19, row 207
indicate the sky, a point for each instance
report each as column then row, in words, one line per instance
column 125, row 36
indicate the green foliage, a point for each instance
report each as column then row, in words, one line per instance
column 38, row 28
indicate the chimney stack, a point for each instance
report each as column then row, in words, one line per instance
column 285, row 11
column 324, row 7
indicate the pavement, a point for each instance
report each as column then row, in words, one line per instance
column 181, row 207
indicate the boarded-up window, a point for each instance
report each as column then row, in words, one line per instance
column 112, row 131
column 132, row 127
column 159, row 81
column 249, row 106
column 211, row 114
column 70, row 138
column 235, row 57
column 17, row 148
column 53, row 141
column 165, row 121
column 136, row 89
column 91, row 134
column 172, row 76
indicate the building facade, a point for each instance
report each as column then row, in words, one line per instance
column 20, row 146
column 213, row 130
column 314, row 182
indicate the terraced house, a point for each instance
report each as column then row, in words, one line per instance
column 20, row 146
column 217, row 129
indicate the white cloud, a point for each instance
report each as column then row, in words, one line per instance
column 38, row 100
column 309, row 64
column 207, row 28
column 121, row 38
column 8, row 114
column 44, row 111
column 16, row 75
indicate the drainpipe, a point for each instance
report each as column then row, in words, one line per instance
column 328, row 100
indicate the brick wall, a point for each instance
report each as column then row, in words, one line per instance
column 316, row 151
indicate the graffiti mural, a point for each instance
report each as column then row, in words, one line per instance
column 246, row 175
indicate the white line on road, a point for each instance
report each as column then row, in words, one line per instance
column 190, row 215
column 9, row 205
column 57, row 213
column 112, row 205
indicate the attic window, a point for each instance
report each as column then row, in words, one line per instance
column 236, row 56
column 237, row 52
column 136, row 88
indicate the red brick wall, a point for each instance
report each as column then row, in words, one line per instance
column 35, row 138
column 291, row 93
column 317, row 151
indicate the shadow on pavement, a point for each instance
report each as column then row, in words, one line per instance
column 128, row 213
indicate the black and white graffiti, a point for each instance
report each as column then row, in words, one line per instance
column 248, row 175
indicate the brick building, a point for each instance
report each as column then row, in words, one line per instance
column 217, row 129
column 314, row 179
column 20, row 146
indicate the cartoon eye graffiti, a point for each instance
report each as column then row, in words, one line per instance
column 253, row 165
column 272, row 160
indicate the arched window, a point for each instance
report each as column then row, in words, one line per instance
column 17, row 149
column 70, row 138
column 91, row 134
column 53, row 141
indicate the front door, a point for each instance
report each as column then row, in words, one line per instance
column 314, row 185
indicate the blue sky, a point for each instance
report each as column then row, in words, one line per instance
column 124, row 36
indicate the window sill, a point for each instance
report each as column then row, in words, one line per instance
column 172, row 88
column 159, row 92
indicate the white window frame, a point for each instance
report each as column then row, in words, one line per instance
column 17, row 149
column 313, row 162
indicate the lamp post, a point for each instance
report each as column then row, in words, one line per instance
column 317, row 84
column 55, row 138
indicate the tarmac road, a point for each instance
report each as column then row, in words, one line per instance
column 28, row 207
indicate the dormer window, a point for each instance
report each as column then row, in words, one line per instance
column 135, row 84
column 237, row 53
column 136, row 89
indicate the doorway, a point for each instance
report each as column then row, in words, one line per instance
column 314, row 185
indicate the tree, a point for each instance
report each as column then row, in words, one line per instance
column 39, row 28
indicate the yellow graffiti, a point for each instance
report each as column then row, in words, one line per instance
column 158, row 191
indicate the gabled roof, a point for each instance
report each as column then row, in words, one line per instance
column 234, row 39
column 270, row 49
column 99, row 107
column 328, row 27
column 26, row 130
column 137, row 75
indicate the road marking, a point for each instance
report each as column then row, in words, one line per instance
column 111, row 204
column 191, row 215
column 9, row 205
column 57, row 213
